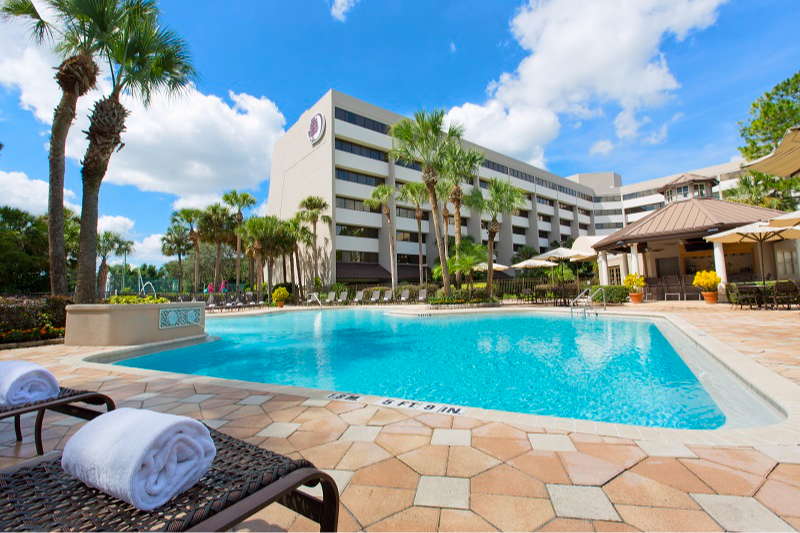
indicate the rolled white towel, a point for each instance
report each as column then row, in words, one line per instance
column 22, row 382
column 141, row 457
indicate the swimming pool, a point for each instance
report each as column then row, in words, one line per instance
column 604, row 369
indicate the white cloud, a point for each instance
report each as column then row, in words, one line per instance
column 117, row 224
column 199, row 201
column 581, row 56
column 453, row 47
column 20, row 191
column 196, row 144
column 261, row 209
column 660, row 135
column 147, row 250
column 340, row 8
column 603, row 147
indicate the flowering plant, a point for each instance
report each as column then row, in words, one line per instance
column 706, row 280
column 280, row 294
column 634, row 282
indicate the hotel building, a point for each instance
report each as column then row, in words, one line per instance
column 338, row 150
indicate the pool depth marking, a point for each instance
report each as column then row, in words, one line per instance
column 437, row 408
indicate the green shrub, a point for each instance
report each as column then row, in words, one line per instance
column 615, row 294
column 135, row 300
column 280, row 294
column 286, row 285
column 338, row 288
column 19, row 313
column 28, row 335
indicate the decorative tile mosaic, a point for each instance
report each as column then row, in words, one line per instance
column 178, row 318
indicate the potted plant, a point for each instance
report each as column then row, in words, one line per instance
column 707, row 281
column 280, row 295
column 634, row 283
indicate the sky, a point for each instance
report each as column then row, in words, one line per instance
column 644, row 88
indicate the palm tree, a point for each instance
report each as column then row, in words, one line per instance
column 312, row 210
column 124, row 249
column 250, row 233
column 190, row 217
column 462, row 167
column 467, row 259
column 382, row 197
column 503, row 198
column 238, row 201
column 79, row 31
column 765, row 191
column 176, row 242
column 300, row 235
column 144, row 58
column 109, row 243
column 443, row 187
column 216, row 224
column 417, row 194
column 426, row 141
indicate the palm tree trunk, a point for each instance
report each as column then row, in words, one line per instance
column 419, row 240
column 259, row 275
column 180, row 273
column 283, row 260
column 299, row 258
column 107, row 123
column 196, row 265
column 392, row 254
column 102, row 277
column 251, row 271
column 217, row 280
column 316, row 252
column 291, row 268
column 429, row 183
column 457, row 224
column 270, row 265
column 490, row 271
column 238, row 260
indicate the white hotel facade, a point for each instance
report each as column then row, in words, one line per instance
column 338, row 150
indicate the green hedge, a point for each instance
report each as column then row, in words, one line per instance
column 33, row 313
column 615, row 294
column 28, row 335
column 133, row 300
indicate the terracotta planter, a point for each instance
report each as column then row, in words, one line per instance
column 636, row 297
column 280, row 305
column 710, row 297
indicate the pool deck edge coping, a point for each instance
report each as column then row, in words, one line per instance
column 778, row 391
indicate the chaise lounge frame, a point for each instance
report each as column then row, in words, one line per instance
column 63, row 403
column 38, row 495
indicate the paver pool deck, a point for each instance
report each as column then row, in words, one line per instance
column 399, row 470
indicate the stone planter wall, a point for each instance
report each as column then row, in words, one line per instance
column 127, row 325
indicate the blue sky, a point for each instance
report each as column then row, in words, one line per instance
column 645, row 89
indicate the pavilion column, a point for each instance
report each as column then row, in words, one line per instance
column 623, row 267
column 635, row 259
column 797, row 255
column 721, row 270
column 602, row 264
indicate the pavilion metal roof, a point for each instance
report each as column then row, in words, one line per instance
column 688, row 179
column 686, row 219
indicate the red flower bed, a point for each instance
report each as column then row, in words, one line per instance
column 28, row 335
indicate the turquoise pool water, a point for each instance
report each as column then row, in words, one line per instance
column 604, row 369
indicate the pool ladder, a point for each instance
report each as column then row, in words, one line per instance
column 586, row 298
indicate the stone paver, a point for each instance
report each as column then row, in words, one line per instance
column 736, row 513
column 360, row 434
column 197, row 398
column 452, row 437
column 256, row 399
column 446, row 492
column 575, row 501
column 278, row 429
column 666, row 449
column 553, row 443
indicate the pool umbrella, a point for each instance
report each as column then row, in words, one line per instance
column 534, row 263
column 558, row 254
column 483, row 267
column 758, row 232
column 785, row 160
column 786, row 221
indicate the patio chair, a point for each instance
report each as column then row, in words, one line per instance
column 251, row 299
column 342, row 298
column 387, row 296
column 229, row 303
column 404, row 296
column 672, row 287
column 211, row 305
column 376, row 297
column 689, row 290
column 423, row 295
column 785, row 293
column 742, row 295
column 243, row 479
column 359, row 298
column 312, row 298
column 331, row 298
column 652, row 289
column 63, row 403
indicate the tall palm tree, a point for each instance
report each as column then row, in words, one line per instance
column 301, row 235
column 238, row 201
column 443, row 187
column 124, row 249
column 108, row 243
column 313, row 210
column 462, row 167
column 424, row 140
column 416, row 193
column 250, row 233
column 78, row 32
column 765, row 191
column 144, row 58
column 216, row 225
column 503, row 198
column 468, row 258
column 176, row 242
column 382, row 197
column 190, row 217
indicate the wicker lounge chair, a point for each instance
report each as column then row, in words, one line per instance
column 785, row 293
column 38, row 495
column 63, row 403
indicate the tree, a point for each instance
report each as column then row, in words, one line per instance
column 79, row 31
column 424, row 140
column 190, row 217
column 524, row 253
column 300, row 235
column 313, row 210
column 443, row 187
column 109, row 243
column 238, row 201
column 770, row 116
column 176, row 242
column 765, row 191
column 216, row 226
column 144, row 58
column 382, row 197
column 23, row 251
column 502, row 198
column 467, row 259
column 416, row 193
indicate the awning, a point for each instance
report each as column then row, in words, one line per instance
column 785, row 160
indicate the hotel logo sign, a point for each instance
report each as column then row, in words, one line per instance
column 316, row 128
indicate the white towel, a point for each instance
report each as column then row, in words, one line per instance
column 22, row 382
column 141, row 457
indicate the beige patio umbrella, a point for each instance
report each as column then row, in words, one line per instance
column 786, row 221
column 534, row 263
column 758, row 232
column 483, row 267
column 784, row 161
column 559, row 254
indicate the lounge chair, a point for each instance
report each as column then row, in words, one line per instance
column 312, row 298
column 331, row 298
column 39, row 495
column 689, row 290
column 387, row 296
column 211, row 305
column 359, row 298
column 423, row 295
column 404, row 296
column 63, row 403
column 673, row 287
column 785, row 293
column 376, row 297
column 342, row 298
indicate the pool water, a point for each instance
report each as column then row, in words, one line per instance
column 604, row 369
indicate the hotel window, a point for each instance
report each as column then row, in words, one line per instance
column 364, row 122
column 545, row 201
column 356, row 231
column 407, row 236
column 607, row 212
column 545, row 218
column 484, row 184
column 566, row 207
column 564, row 222
column 787, row 263
column 357, row 177
column 519, row 231
column 583, row 227
column 402, row 212
column 612, row 225
column 497, row 167
column 344, row 256
column 544, row 235
column 668, row 195
column 699, row 190
column 363, row 151
column 682, row 192
column 643, row 208
column 410, row 259
column 354, row 205
column 413, row 166
column 584, row 212
column 523, row 214
column 640, row 194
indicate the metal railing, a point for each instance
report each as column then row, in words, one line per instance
column 588, row 300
